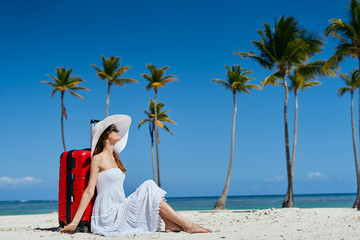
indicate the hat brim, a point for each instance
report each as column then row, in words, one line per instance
column 122, row 123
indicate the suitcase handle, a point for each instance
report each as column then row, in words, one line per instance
column 92, row 124
column 72, row 188
column 92, row 121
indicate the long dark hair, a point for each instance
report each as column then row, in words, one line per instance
column 100, row 146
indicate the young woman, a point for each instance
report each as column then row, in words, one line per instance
column 114, row 214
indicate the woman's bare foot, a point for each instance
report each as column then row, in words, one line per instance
column 194, row 228
column 69, row 228
column 172, row 227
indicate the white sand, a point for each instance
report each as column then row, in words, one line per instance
column 320, row 223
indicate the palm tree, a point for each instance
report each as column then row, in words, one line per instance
column 351, row 83
column 348, row 36
column 236, row 82
column 157, row 80
column 301, row 79
column 282, row 48
column 162, row 117
column 112, row 72
column 64, row 83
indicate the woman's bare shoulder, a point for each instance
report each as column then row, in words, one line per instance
column 97, row 159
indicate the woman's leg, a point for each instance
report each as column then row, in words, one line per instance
column 171, row 226
column 166, row 212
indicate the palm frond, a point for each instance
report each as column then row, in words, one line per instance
column 167, row 80
column 146, row 76
column 345, row 77
column 96, row 68
column 351, row 81
column 254, row 57
column 142, row 122
column 272, row 79
column 167, row 129
column 79, row 88
column 266, row 53
column 54, row 78
column 303, row 75
column 314, row 69
column 168, row 120
column 342, row 91
column 121, row 71
column 311, row 84
column 160, row 124
column 339, row 37
column 340, row 27
column 252, row 86
column 50, row 83
column 53, row 92
column 103, row 76
column 76, row 95
column 123, row 81
column 342, row 51
column 296, row 52
column 222, row 83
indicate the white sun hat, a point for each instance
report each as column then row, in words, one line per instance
column 122, row 123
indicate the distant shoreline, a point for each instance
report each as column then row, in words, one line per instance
column 229, row 196
column 8, row 208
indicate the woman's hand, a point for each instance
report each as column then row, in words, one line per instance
column 69, row 228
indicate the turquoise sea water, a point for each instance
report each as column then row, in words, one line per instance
column 202, row 203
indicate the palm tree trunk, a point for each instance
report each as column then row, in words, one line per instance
column 157, row 141
column 220, row 203
column 289, row 199
column 62, row 121
column 152, row 153
column 356, row 203
column 107, row 100
column 153, row 161
column 356, row 162
column 295, row 138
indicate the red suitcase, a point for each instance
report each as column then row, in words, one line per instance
column 73, row 179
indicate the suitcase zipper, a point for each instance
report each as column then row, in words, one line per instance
column 69, row 185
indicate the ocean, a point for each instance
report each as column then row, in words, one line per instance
column 202, row 203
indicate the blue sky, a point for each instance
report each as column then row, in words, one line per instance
column 196, row 39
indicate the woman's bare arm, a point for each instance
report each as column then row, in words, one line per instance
column 86, row 197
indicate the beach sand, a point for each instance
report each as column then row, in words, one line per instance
column 318, row 223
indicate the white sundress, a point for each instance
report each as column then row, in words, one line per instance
column 113, row 214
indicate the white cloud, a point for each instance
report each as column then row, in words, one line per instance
column 316, row 175
column 277, row 178
column 8, row 182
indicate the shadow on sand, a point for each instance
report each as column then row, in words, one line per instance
column 53, row 229
column 234, row 211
